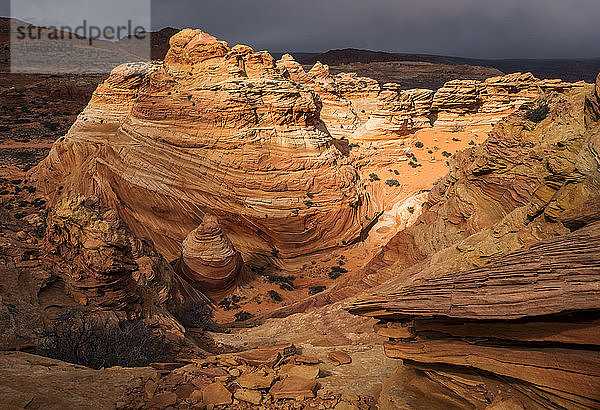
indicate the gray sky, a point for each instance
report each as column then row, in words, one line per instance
column 469, row 28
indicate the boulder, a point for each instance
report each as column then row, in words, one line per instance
column 255, row 381
column 216, row 394
column 339, row 357
column 249, row 396
column 295, row 388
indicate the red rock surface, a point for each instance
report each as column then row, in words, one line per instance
column 360, row 109
column 208, row 259
column 526, row 313
column 242, row 142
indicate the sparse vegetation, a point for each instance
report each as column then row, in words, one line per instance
column 336, row 272
column 230, row 303
column 93, row 342
column 373, row 177
column 392, row 182
column 275, row 296
column 458, row 128
column 242, row 316
column 284, row 282
column 446, row 154
column 313, row 290
column 539, row 113
column 195, row 314
column 419, row 144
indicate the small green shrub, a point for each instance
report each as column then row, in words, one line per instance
column 275, row 296
column 313, row 290
column 242, row 316
column 539, row 113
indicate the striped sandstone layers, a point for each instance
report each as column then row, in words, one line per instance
column 496, row 285
column 530, row 318
column 214, row 130
column 360, row 109
column 208, row 259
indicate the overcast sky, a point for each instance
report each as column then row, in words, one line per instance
column 469, row 28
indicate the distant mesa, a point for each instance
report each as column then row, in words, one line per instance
column 567, row 69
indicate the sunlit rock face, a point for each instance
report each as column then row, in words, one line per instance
column 360, row 109
column 208, row 259
column 104, row 266
column 212, row 130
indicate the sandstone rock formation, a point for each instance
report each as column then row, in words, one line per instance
column 500, row 273
column 528, row 316
column 593, row 103
column 212, row 130
column 527, row 182
column 104, row 266
column 360, row 109
column 208, row 259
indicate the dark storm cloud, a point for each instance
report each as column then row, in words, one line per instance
column 476, row 28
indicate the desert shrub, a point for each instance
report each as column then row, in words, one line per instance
column 373, row 177
column 455, row 139
column 275, row 296
column 411, row 209
column 446, row 154
column 230, row 303
column 76, row 338
column 308, row 203
column 243, row 315
column 313, row 290
column 392, row 182
column 284, row 282
column 458, row 128
column 336, row 272
column 195, row 314
column 539, row 113
column 419, row 144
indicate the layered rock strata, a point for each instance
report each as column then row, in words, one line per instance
column 212, row 130
column 360, row 109
column 104, row 266
column 208, row 259
column 530, row 316
column 497, row 281
column 527, row 182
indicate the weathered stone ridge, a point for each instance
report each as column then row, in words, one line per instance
column 360, row 109
column 104, row 266
column 211, row 130
column 498, row 279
